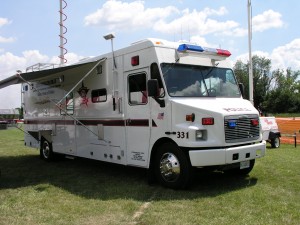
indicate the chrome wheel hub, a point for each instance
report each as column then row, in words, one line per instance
column 169, row 167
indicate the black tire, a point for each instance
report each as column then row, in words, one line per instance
column 171, row 167
column 241, row 172
column 275, row 142
column 46, row 152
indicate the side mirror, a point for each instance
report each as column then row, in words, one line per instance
column 153, row 91
column 153, row 88
column 241, row 86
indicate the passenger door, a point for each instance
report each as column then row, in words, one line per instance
column 137, row 117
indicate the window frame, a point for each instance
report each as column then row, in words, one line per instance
column 130, row 102
column 98, row 91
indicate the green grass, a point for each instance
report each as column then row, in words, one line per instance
column 89, row 192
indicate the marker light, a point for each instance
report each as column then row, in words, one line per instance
column 190, row 117
column 254, row 122
column 208, row 121
column 231, row 124
column 135, row 60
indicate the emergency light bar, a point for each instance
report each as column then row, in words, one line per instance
column 197, row 48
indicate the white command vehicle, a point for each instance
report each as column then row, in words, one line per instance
column 168, row 107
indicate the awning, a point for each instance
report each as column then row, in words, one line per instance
column 36, row 75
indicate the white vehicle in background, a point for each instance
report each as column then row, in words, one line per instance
column 270, row 131
column 165, row 106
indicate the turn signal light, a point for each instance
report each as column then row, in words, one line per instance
column 190, row 117
column 254, row 122
column 208, row 121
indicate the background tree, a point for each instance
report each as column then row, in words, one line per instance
column 284, row 97
column 274, row 91
column 261, row 79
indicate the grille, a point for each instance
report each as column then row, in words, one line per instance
column 239, row 128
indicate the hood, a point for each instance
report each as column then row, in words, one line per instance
column 224, row 106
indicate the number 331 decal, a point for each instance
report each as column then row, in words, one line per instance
column 182, row 135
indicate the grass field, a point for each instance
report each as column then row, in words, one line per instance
column 88, row 192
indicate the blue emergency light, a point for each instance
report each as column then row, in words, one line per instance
column 232, row 124
column 186, row 47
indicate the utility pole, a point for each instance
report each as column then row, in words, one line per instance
column 250, row 52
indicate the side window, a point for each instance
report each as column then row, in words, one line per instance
column 156, row 75
column 137, row 89
column 99, row 95
column 69, row 105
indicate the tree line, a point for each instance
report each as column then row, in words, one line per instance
column 276, row 91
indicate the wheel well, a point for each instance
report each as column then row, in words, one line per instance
column 155, row 147
column 46, row 134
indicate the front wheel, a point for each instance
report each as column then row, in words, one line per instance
column 46, row 152
column 171, row 166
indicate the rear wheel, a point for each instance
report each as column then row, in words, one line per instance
column 46, row 152
column 275, row 142
column 171, row 166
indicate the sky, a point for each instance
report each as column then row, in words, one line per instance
column 29, row 30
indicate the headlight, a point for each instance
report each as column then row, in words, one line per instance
column 200, row 134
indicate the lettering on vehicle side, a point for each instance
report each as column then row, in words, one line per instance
column 138, row 156
column 236, row 109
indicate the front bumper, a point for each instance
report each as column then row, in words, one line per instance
column 223, row 156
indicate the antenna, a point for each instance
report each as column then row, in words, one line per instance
column 63, row 31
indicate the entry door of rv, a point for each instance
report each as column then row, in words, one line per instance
column 137, row 114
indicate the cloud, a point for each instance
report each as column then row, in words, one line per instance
column 70, row 56
column 118, row 15
column 4, row 21
column 6, row 40
column 199, row 41
column 287, row 56
column 236, row 32
column 168, row 20
column 10, row 97
column 10, row 63
column 282, row 57
column 267, row 20
column 196, row 22
column 123, row 15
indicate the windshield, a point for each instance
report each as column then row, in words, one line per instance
column 199, row 81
